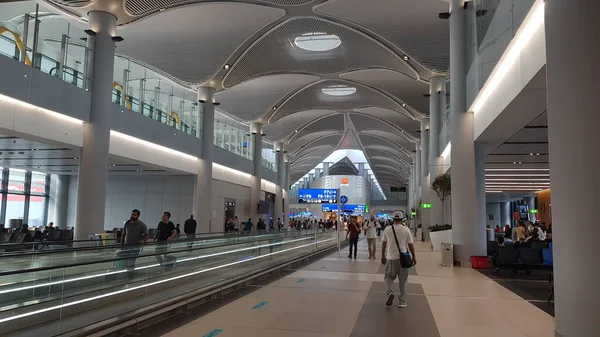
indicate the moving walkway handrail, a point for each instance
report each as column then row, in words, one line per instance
column 199, row 237
column 280, row 235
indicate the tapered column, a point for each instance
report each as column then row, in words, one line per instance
column 464, row 196
column 572, row 52
column 203, row 194
column 325, row 169
column 256, row 183
column 286, row 193
column 425, row 188
column 437, row 94
column 61, row 201
column 505, row 218
column 280, row 181
column 93, row 165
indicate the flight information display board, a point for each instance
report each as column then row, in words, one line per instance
column 354, row 208
column 318, row 196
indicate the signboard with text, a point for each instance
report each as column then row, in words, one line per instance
column 354, row 208
column 317, row 196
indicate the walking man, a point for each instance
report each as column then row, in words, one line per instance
column 397, row 241
column 189, row 228
column 135, row 233
column 371, row 225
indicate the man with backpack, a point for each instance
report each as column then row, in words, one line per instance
column 135, row 233
column 164, row 232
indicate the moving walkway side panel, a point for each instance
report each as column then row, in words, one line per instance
column 112, row 296
column 30, row 85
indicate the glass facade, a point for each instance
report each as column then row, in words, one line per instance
column 24, row 197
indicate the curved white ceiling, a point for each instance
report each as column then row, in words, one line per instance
column 194, row 52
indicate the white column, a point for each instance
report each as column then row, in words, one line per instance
column 425, row 187
column 437, row 94
column 464, row 196
column 61, row 201
column 478, row 236
column 572, row 52
column 411, row 196
column 93, row 165
column 286, row 204
column 278, row 212
column 256, row 184
column 325, row 169
column 505, row 218
column 203, row 210
column 530, row 202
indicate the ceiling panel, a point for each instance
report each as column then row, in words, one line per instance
column 313, row 97
column 407, row 89
column 277, row 52
column 409, row 125
column 196, row 53
column 253, row 98
column 412, row 25
column 286, row 126
column 331, row 123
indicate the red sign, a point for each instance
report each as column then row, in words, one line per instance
column 345, row 181
column 537, row 216
column 516, row 216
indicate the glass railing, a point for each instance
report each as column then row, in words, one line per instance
column 124, row 282
column 50, row 43
column 61, row 50
column 269, row 157
column 497, row 24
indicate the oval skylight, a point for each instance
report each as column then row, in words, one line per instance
column 338, row 90
column 318, row 41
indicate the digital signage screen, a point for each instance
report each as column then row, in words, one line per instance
column 354, row 208
column 317, row 196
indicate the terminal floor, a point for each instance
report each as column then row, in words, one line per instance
column 338, row 297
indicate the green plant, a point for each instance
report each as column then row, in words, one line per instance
column 442, row 185
column 437, row 228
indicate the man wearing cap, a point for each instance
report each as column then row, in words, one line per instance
column 397, row 240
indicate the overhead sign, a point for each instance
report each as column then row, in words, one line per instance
column 354, row 208
column 345, row 182
column 317, row 196
column 426, row 206
column 344, row 199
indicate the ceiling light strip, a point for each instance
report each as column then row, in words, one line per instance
column 151, row 145
column 35, row 107
column 532, row 23
column 516, row 169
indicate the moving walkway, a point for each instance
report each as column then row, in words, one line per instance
column 98, row 296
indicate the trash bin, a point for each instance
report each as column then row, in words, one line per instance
column 447, row 254
column 491, row 235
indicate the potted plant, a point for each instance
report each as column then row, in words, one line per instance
column 442, row 186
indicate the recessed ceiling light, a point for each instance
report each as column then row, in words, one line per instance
column 162, row 9
column 405, row 57
column 339, row 90
column 531, row 154
column 275, row 107
column 318, row 41
column 227, row 66
column 404, row 105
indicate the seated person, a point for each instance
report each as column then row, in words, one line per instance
column 24, row 229
column 501, row 241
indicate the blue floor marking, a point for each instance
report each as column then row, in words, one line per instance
column 213, row 333
column 300, row 280
column 260, row 305
column 323, row 267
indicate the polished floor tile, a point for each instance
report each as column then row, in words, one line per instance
column 339, row 297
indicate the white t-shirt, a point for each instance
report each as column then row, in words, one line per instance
column 404, row 238
column 370, row 226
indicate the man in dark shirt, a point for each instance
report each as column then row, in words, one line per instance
column 135, row 233
column 353, row 232
column 164, row 232
column 189, row 228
